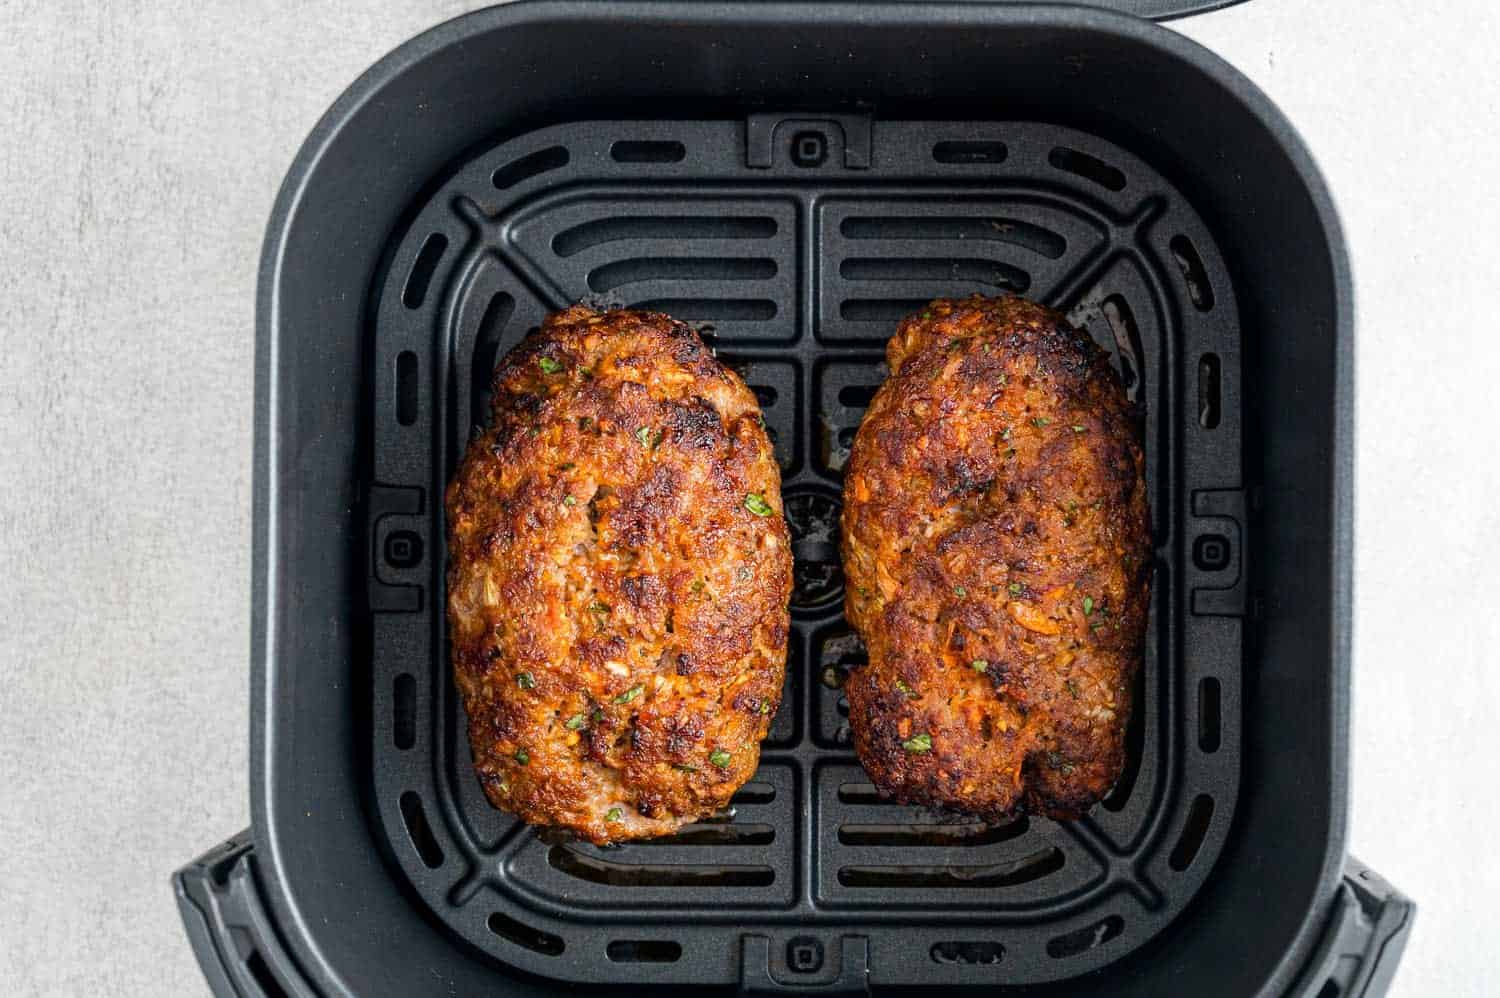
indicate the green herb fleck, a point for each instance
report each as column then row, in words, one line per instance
column 630, row 694
column 614, row 814
column 1079, row 429
column 1088, row 605
column 525, row 681
column 1015, row 588
column 569, row 501
column 1005, row 433
column 926, row 315
column 756, row 503
column 1040, row 421
column 597, row 716
column 566, row 467
column 523, row 756
column 918, row 743
column 647, row 437
column 575, row 722
column 905, row 689
column 719, row 758
column 697, row 585
column 597, row 607
column 548, row 365
column 765, row 706
column 979, row 665
column 960, row 591
column 1072, row 689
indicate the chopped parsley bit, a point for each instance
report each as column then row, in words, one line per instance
column 1088, row 605
column 756, row 503
column 575, row 722
column 1072, row 689
column 504, row 787
column 918, row 743
column 1080, row 429
column 548, row 365
column 523, row 756
column 1015, row 588
column 614, row 814
column 960, row 591
column 979, row 665
column 1040, row 421
column 1005, row 433
column 906, row 689
column 569, row 501
column 535, row 431
column 697, row 585
column 719, row 758
column 1097, row 625
column 597, row 716
column 862, row 591
column 525, row 681
column 648, row 437
column 630, row 694
column 597, row 607
column 926, row 315
column 566, row 467
column 765, row 706
column 683, row 767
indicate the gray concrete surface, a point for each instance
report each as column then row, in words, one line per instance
column 140, row 150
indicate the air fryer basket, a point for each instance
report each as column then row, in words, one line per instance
column 1087, row 160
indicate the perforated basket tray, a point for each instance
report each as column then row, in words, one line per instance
column 413, row 245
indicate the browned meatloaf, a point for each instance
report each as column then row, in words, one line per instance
column 998, row 555
column 619, row 579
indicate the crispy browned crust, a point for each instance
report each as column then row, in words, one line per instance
column 618, row 610
column 995, row 513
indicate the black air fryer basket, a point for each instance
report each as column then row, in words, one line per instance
column 795, row 178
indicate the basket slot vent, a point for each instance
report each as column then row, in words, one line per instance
column 1208, row 391
column 419, row 831
column 644, row 951
column 860, row 793
column 534, row 164
column 1200, row 292
column 587, row 235
column 1208, row 714
column 636, row 151
column 524, row 935
column 1042, row 863
column 1135, row 745
column 422, row 269
column 1127, row 334
column 404, row 711
column 754, row 792
column 602, row 871
column 880, row 309
column 492, row 323
column 975, row 953
column 406, row 388
column 623, row 272
column 270, row 987
column 765, row 395
column 1001, row 230
column 1084, row 939
column 1193, row 831
column 960, row 270
column 712, row 309
column 1330, row 989
column 736, row 834
column 1088, row 167
column 857, row 396
column 942, row 836
column 955, row 152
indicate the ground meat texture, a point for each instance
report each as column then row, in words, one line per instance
column 619, row 578
column 997, row 549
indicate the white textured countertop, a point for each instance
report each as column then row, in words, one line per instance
column 142, row 145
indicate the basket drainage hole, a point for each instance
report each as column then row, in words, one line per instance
column 647, row 152
column 1208, row 714
column 1084, row 939
column 524, row 935
column 419, row 831
column 406, row 388
column 1089, row 168
column 422, row 270
column 1193, row 832
column 264, row 979
column 643, row 951
column 856, row 396
column 1208, row 391
column 974, row 953
column 1193, row 274
column 404, row 711
column 529, row 166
